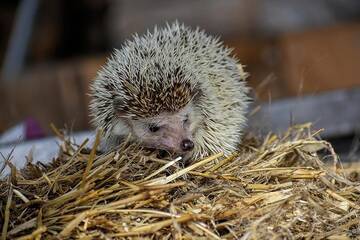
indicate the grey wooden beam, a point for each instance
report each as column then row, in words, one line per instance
column 19, row 39
column 338, row 112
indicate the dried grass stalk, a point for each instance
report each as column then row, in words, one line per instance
column 279, row 187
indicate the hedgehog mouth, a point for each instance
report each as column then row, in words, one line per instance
column 161, row 153
column 166, row 153
column 185, row 156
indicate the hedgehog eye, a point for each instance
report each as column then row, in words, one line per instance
column 186, row 120
column 154, row 128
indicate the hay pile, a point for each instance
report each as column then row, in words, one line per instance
column 276, row 188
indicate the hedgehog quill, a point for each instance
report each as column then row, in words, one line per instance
column 175, row 89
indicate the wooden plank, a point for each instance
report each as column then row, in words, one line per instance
column 338, row 112
column 322, row 59
column 54, row 93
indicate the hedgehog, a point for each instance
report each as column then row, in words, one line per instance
column 175, row 89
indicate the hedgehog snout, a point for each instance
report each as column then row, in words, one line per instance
column 187, row 145
column 176, row 143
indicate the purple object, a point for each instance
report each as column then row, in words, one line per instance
column 33, row 129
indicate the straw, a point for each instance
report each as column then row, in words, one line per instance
column 289, row 186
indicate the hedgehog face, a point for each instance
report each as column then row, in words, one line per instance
column 174, row 89
column 172, row 132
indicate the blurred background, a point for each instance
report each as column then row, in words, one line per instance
column 303, row 58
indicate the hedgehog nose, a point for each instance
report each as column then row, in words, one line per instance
column 187, row 145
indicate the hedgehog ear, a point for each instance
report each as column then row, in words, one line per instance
column 118, row 105
column 197, row 94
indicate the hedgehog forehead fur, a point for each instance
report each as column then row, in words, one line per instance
column 145, row 81
column 164, row 71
